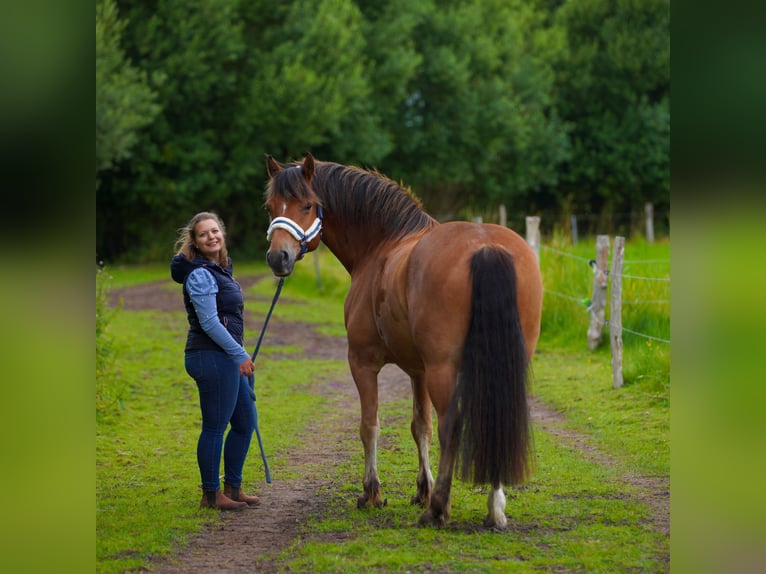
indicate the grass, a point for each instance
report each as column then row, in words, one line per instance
column 633, row 422
column 574, row 515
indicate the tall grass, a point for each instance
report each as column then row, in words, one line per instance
column 110, row 389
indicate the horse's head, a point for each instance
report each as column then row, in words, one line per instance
column 295, row 211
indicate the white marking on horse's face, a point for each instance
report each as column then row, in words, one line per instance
column 284, row 208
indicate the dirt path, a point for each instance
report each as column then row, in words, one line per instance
column 264, row 531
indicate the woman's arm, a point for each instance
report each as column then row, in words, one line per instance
column 202, row 287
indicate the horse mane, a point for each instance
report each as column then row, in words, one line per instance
column 358, row 198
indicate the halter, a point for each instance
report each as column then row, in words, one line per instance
column 301, row 236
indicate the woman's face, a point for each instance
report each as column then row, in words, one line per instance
column 208, row 238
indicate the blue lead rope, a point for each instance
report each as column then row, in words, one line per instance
column 252, row 379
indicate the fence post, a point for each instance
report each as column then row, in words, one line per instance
column 574, row 229
column 615, row 310
column 598, row 299
column 649, row 212
column 533, row 234
column 503, row 217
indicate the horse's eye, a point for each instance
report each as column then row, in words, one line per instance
column 307, row 207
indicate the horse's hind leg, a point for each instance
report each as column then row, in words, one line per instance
column 438, row 511
column 440, row 384
column 496, row 509
column 422, row 431
column 366, row 380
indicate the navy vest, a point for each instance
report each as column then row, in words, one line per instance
column 229, row 301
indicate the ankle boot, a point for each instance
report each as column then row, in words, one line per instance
column 217, row 499
column 235, row 493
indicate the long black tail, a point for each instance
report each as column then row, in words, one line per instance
column 490, row 400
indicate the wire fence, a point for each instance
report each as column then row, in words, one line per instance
column 585, row 301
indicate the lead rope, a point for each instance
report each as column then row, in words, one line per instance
column 252, row 379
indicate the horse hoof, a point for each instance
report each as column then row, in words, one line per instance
column 364, row 501
column 498, row 525
column 428, row 519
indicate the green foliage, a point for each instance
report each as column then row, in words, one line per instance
column 191, row 52
column 613, row 88
column 124, row 102
column 311, row 54
column 546, row 107
column 477, row 123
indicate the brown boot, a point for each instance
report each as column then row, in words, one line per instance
column 235, row 493
column 217, row 499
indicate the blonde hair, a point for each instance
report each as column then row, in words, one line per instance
column 185, row 243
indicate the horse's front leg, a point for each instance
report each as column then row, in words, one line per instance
column 422, row 431
column 366, row 380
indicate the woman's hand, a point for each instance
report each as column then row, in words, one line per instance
column 247, row 367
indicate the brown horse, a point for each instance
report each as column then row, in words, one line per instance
column 455, row 305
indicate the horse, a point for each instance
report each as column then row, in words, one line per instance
column 455, row 305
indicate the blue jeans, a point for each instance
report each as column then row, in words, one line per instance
column 224, row 398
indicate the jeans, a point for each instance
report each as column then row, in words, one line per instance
column 224, row 398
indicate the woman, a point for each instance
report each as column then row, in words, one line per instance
column 216, row 359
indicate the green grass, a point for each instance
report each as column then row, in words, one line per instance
column 573, row 515
column 129, row 275
column 633, row 422
column 146, row 470
column 568, row 283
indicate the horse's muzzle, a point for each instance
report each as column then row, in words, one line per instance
column 281, row 261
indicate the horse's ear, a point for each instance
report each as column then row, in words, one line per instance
column 272, row 166
column 308, row 166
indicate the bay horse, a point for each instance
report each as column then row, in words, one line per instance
column 455, row 305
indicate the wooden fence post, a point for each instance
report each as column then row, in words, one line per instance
column 533, row 234
column 503, row 216
column 615, row 310
column 598, row 299
column 649, row 212
column 574, row 229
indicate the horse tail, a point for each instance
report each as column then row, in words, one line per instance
column 490, row 401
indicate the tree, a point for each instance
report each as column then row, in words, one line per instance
column 190, row 52
column 124, row 102
column 308, row 73
column 240, row 79
column 538, row 105
column 475, row 123
column 613, row 88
